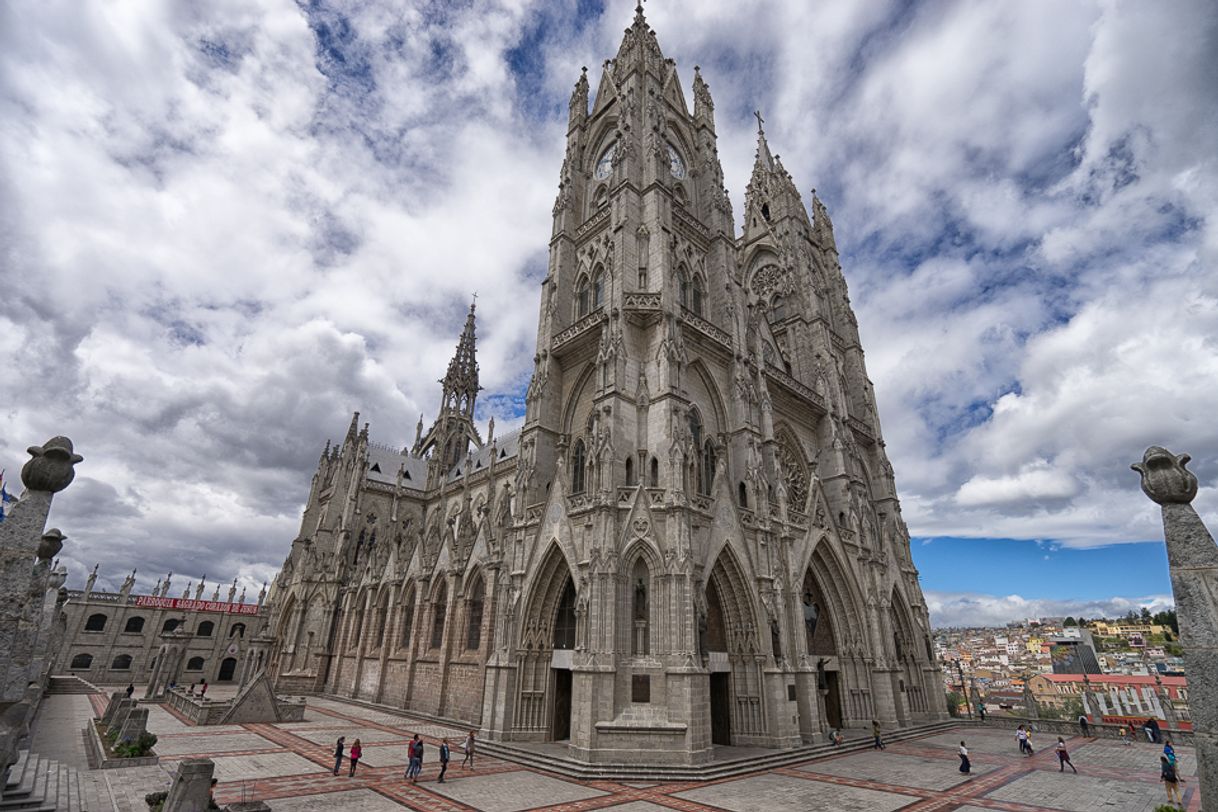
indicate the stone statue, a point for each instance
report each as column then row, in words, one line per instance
column 129, row 582
column 640, row 600
column 51, row 544
column 92, row 579
column 1192, row 559
column 811, row 616
column 199, row 588
column 232, row 590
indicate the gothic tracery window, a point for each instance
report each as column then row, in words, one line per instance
column 583, row 298
column 639, row 607
column 564, row 621
column 407, row 618
column 698, row 295
column 598, row 290
column 683, row 288
column 708, row 468
column 579, row 461
column 794, row 476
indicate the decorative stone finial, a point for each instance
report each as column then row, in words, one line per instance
column 51, row 466
column 1164, row 477
column 52, row 542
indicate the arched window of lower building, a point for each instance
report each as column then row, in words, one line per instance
column 194, row 664
column 564, row 621
column 135, row 625
column 169, row 625
column 439, row 610
column 407, row 618
column 206, row 629
column 95, row 623
column 473, row 631
column 237, row 630
column 81, row 662
column 121, row 663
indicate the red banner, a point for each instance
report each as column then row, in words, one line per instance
column 154, row 602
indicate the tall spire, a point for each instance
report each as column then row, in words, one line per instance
column 461, row 380
column 764, row 159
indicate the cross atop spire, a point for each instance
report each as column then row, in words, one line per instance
column 760, row 121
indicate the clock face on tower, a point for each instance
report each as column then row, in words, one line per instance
column 604, row 167
column 675, row 165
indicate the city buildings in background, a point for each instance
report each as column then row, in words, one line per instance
column 1112, row 670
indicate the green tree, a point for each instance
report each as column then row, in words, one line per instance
column 1145, row 616
column 1069, row 622
column 954, row 701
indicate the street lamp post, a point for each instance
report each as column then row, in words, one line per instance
column 1192, row 560
column 968, row 700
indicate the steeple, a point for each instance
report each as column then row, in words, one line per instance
column 461, row 381
column 450, row 436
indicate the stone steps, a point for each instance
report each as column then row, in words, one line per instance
column 724, row 768
column 70, row 684
column 38, row 784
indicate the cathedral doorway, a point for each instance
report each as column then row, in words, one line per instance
column 833, row 700
column 561, row 730
column 228, row 667
column 721, row 708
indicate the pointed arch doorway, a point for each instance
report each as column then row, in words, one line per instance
column 545, row 688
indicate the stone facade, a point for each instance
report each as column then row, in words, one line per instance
column 116, row 637
column 695, row 537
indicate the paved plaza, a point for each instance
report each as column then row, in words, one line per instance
column 288, row 765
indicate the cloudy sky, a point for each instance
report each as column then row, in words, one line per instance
column 226, row 226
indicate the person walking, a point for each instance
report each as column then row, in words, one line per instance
column 130, row 689
column 338, row 753
column 1124, row 736
column 1021, row 736
column 356, row 752
column 1170, row 752
column 1082, row 723
column 1063, row 757
column 1027, row 740
column 416, row 759
column 443, row 759
column 981, row 710
column 468, row 747
column 875, row 731
column 966, row 766
column 1171, row 781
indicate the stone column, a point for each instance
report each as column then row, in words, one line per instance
column 1192, row 559
column 26, row 553
column 191, row 788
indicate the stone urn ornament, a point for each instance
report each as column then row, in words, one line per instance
column 50, row 467
column 51, row 544
column 1164, row 477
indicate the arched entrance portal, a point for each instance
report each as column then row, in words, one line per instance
column 735, row 679
column 544, row 658
column 822, row 650
column 228, row 667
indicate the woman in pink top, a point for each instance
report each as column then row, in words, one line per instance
column 356, row 752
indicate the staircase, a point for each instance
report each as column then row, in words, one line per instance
column 37, row 784
column 68, row 684
column 724, row 768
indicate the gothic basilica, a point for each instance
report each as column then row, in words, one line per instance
column 694, row 539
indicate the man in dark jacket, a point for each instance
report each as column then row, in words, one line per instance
column 338, row 753
column 443, row 759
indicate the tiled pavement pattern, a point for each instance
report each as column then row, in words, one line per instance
column 289, row 766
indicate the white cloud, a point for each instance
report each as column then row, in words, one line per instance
column 969, row 609
column 228, row 226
